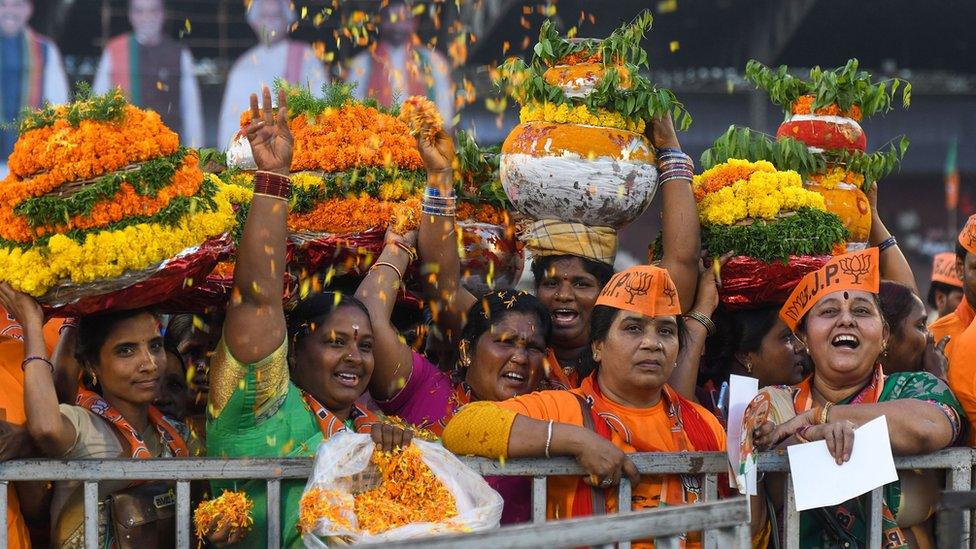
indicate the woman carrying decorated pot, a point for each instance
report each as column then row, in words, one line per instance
column 573, row 261
column 836, row 315
column 501, row 346
column 124, row 352
column 626, row 406
column 279, row 387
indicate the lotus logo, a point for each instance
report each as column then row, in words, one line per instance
column 638, row 286
column 856, row 266
column 670, row 292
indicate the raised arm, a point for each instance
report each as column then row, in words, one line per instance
column 684, row 378
column 893, row 266
column 51, row 431
column 378, row 291
column 681, row 231
column 438, row 242
column 255, row 324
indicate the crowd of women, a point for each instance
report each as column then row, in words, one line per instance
column 594, row 365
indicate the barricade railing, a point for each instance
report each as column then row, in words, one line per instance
column 957, row 463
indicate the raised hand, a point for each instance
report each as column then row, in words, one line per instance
column 23, row 307
column 661, row 133
column 269, row 136
column 438, row 154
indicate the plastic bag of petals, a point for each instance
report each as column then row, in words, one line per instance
column 357, row 494
column 166, row 281
column 748, row 283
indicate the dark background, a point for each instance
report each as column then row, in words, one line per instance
column 697, row 47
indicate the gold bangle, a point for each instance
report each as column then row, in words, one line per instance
column 825, row 413
column 390, row 265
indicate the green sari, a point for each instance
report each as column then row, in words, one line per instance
column 257, row 412
column 845, row 525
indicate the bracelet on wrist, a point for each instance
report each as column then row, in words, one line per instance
column 702, row 319
column 37, row 359
column 410, row 250
column 887, row 243
column 272, row 184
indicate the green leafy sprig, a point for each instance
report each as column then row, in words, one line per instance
column 86, row 106
column 172, row 214
column 808, row 232
column 367, row 180
column 846, row 87
column 787, row 153
column 150, row 178
column 335, row 95
column 479, row 181
column 526, row 82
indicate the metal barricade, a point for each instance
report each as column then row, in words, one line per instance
column 957, row 463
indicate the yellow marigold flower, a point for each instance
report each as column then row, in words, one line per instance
column 579, row 114
column 737, row 190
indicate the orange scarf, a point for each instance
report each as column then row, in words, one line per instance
column 330, row 423
column 688, row 429
column 870, row 394
column 167, row 432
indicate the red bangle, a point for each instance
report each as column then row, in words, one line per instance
column 272, row 184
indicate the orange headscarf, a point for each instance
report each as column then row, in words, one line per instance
column 643, row 289
column 944, row 269
column 851, row 271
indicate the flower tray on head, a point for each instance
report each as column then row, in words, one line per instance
column 101, row 197
column 823, row 113
column 776, row 229
column 840, row 176
column 357, row 172
column 579, row 154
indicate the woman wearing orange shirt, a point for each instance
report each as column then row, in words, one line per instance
column 625, row 407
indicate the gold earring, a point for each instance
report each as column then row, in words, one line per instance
column 748, row 367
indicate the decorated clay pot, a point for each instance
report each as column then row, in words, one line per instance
column 586, row 174
column 851, row 205
column 824, row 132
column 492, row 258
column 578, row 74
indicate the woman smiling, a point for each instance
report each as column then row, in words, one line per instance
column 836, row 314
column 625, row 407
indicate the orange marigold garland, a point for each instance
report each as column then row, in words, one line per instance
column 232, row 508
column 804, row 104
column 126, row 203
column 422, row 117
column 409, row 492
column 45, row 158
column 351, row 136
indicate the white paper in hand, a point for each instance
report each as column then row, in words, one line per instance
column 818, row 481
column 742, row 390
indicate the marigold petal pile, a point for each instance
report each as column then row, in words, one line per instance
column 408, row 492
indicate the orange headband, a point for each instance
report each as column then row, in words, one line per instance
column 643, row 289
column 850, row 271
column 967, row 237
column 944, row 269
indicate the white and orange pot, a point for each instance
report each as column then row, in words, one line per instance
column 574, row 172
